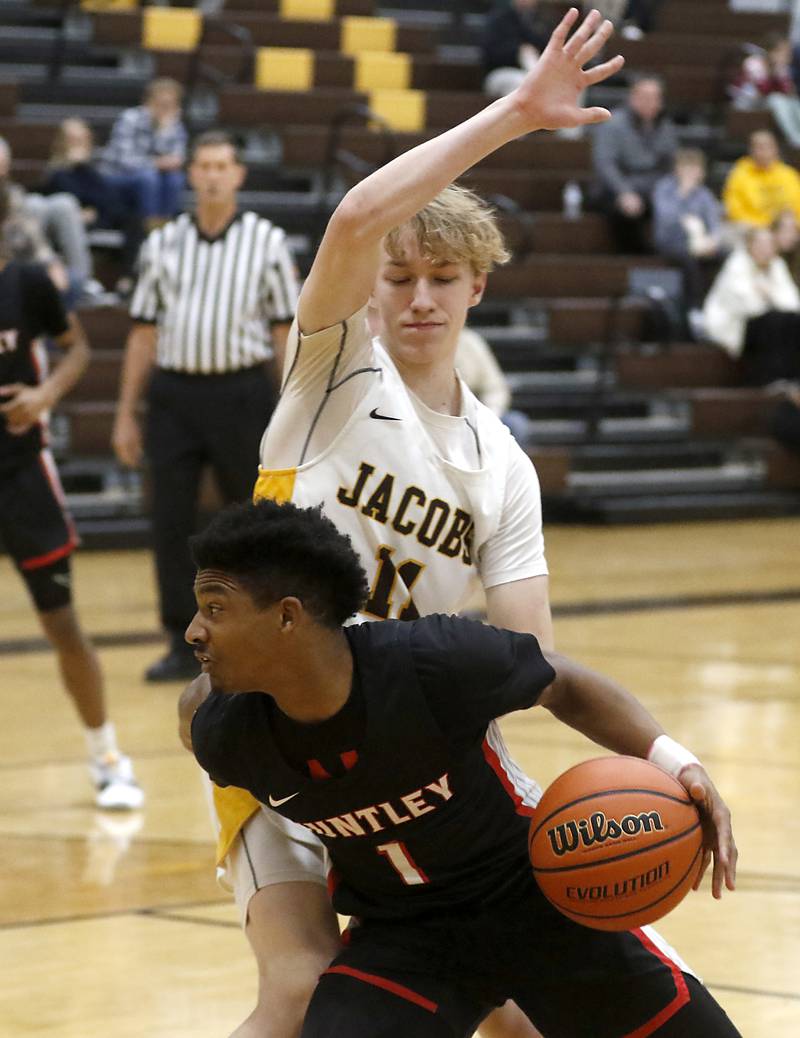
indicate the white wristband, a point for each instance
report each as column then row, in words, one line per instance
column 670, row 755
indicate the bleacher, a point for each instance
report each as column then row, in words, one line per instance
column 624, row 429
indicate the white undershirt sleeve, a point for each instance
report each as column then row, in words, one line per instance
column 320, row 390
column 516, row 550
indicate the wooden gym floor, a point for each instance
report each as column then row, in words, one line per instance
column 114, row 924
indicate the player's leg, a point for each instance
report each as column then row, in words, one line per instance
column 583, row 981
column 278, row 875
column 359, row 1006
column 508, row 1022
column 77, row 659
column 293, row 934
column 40, row 537
column 396, row 980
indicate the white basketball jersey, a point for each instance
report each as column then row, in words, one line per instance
column 421, row 494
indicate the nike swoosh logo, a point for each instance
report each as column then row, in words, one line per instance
column 383, row 417
column 277, row 803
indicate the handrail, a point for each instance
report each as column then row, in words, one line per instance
column 198, row 70
column 336, row 156
column 56, row 64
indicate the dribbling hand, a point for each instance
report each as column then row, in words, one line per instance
column 717, row 832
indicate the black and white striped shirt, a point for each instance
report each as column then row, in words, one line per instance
column 213, row 300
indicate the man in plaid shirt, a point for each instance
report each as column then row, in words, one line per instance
column 147, row 150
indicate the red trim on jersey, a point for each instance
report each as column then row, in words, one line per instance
column 349, row 758
column 48, row 467
column 388, row 985
column 681, row 990
column 316, row 771
column 496, row 765
column 332, row 881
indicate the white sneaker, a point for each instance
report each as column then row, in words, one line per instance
column 116, row 786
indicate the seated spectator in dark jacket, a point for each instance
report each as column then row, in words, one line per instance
column 687, row 220
column 630, row 154
column 104, row 202
column 147, row 150
column 514, row 36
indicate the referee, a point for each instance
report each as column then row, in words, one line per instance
column 216, row 294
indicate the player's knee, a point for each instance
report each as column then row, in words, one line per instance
column 286, row 987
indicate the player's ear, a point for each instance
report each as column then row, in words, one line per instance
column 291, row 611
column 478, row 288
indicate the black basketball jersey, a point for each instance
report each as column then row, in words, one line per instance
column 30, row 306
column 433, row 814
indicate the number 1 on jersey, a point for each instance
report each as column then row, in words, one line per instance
column 402, row 862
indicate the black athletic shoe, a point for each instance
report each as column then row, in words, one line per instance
column 176, row 665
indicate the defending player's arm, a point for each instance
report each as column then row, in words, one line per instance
column 192, row 697
column 512, row 563
column 547, row 99
column 524, row 606
column 607, row 714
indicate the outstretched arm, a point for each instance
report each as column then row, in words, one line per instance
column 604, row 712
column 343, row 272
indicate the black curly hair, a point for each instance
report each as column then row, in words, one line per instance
column 279, row 550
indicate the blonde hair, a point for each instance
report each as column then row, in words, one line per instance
column 455, row 227
column 58, row 149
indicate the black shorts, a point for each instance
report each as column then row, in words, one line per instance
column 439, row 978
column 37, row 530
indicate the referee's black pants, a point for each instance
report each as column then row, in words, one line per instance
column 194, row 421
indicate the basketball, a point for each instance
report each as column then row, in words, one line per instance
column 615, row 843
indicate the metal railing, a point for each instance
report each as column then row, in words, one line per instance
column 201, row 73
column 338, row 157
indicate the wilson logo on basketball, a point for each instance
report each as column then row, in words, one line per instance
column 569, row 836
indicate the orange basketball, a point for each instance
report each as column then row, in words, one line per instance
column 615, row 843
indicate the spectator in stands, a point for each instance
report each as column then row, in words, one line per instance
column 147, row 150
column 753, row 309
column 760, row 185
column 40, row 224
column 786, row 231
column 630, row 154
column 687, row 220
column 765, row 80
column 633, row 18
column 478, row 367
column 640, row 18
column 514, row 36
column 104, row 203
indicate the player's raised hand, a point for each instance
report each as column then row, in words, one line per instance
column 717, row 833
column 549, row 96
